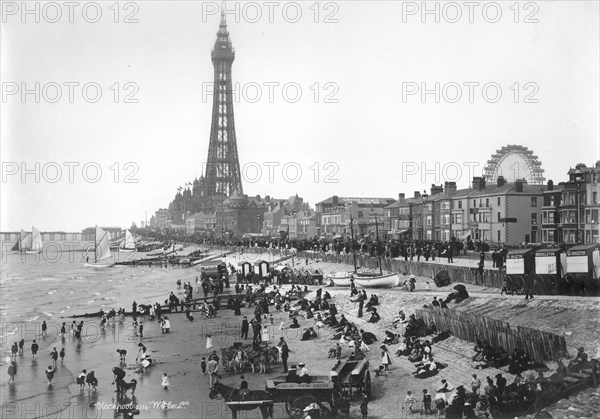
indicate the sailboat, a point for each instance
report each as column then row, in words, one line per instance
column 372, row 280
column 36, row 241
column 101, row 250
column 28, row 242
column 128, row 244
column 344, row 279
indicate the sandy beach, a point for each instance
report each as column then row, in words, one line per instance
column 179, row 352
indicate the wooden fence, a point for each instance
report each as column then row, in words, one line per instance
column 538, row 345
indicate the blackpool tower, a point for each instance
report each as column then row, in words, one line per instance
column 223, row 175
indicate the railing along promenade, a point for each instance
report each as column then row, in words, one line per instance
column 465, row 274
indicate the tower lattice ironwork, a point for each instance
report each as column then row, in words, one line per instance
column 223, row 175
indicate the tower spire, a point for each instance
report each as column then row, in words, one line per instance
column 223, row 175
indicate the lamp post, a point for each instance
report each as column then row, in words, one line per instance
column 424, row 212
column 578, row 181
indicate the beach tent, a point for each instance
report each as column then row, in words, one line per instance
column 246, row 268
column 262, row 268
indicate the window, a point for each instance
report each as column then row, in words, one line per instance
column 487, row 202
column 498, row 201
column 498, row 216
column 474, row 203
column 498, row 239
column 480, row 203
column 534, row 201
column 459, row 204
column 594, row 197
column 533, row 218
column 429, row 220
column 486, row 217
column 446, row 219
column 544, row 217
column 551, row 218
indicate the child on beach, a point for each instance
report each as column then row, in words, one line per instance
column 54, row 356
column 165, row 381
column 21, row 345
column 81, row 380
column 34, row 349
column 50, row 374
column 63, row 331
column 12, row 371
column 62, row 356
column 122, row 354
column 203, row 366
column 91, row 380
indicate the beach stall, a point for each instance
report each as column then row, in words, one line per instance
column 246, row 268
column 262, row 268
column 582, row 268
column 548, row 270
column 519, row 264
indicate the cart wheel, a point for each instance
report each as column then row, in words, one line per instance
column 368, row 384
column 519, row 284
column 295, row 409
column 540, row 285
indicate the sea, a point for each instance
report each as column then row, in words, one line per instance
column 52, row 286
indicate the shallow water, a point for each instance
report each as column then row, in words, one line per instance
column 37, row 288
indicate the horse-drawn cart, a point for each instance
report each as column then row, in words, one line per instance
column 352, row 374
column 321, row 392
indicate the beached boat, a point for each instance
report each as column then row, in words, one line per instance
column 339, row 279
column 128, row 244
column 101, row 251
column 378, row 281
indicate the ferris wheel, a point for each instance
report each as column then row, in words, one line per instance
column 514, row 162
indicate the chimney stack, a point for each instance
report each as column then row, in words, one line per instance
column 519, row 185
column 417, row 194
column 475, row 183
column 550, row 185
column 450, row 188
column 436, row 189
column 481, row 183
column 500, row 181
column 401, row 197
column 334, row 200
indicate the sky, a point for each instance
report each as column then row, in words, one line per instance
column 106, row 107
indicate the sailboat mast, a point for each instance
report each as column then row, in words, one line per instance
column 352, row 233
column 96, row 245
column 378, row 252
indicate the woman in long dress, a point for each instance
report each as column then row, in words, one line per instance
column 385, row 357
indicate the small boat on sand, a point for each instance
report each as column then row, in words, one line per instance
column 340, row 279
column 379, row 281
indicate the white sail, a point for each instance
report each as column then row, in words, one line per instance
column 128, row 243
column 36, row 241
column 102, row 244
column 25, row 241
